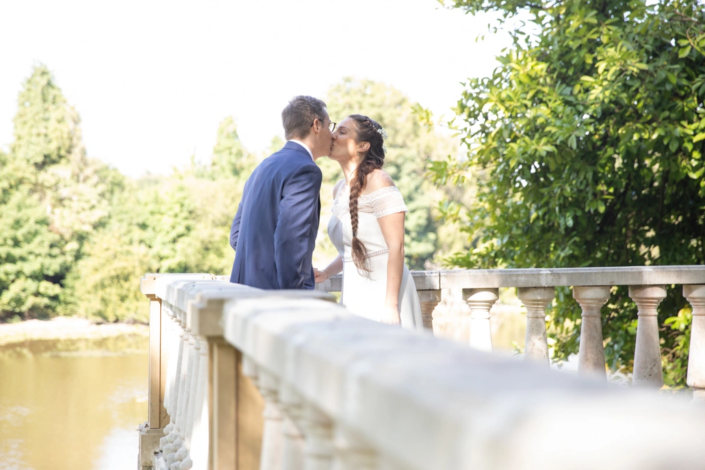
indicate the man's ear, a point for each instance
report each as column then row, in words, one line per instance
column 317, row 126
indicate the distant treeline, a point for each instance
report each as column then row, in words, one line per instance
column 76, row 235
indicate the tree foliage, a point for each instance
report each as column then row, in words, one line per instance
column 588, row 143
column 230, row 158
column 409, row 147
column 52, row 200
column 76, row 236
column 179, row 223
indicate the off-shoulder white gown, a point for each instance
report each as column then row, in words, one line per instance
column 364, row 293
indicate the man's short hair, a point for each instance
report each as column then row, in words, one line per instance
column 299, row 114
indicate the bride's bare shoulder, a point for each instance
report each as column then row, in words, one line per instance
column 378, row 179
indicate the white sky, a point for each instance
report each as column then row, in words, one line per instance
column 152, row 79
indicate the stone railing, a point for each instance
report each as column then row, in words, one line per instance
column 247, row 379
column 591, row 289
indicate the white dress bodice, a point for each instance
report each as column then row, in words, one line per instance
column 364, row 292
column 370, row 207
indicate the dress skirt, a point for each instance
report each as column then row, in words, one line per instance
column 369, row 291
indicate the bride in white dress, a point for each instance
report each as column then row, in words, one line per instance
column 367, row 228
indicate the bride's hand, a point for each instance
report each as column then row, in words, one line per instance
column 390, row 315
column 320, row 276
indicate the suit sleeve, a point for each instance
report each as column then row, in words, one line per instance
column 235, row 228
column 298, row 211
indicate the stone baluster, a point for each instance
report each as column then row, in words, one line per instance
column 176, row 358
column 696, row 358
column 591, row 357
column 351, row 453
column 535, row 299
column 189, row 403
column 292, row 414
column 197, row 434
column 647, row 354
column 175, row 437
column 480, row 302
column 170, row 333
column 318, row 429
column 272, row 435
column 429, row 299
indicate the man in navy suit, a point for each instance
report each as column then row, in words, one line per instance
column 274, row 231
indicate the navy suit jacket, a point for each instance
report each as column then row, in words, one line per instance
column 274, row 231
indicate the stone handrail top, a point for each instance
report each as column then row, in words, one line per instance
column 336, row 387
column 543, row 277
column 458, row 408
column 601, row 276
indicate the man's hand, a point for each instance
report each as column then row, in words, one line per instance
column 319, row 275
column 390, row 315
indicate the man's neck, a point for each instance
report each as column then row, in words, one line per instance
column 309, row 145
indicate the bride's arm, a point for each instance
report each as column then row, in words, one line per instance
column 335, row 267
column 392, row 226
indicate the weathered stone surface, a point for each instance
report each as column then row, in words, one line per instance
column 426, row 403
column 647, row 352
column 428, row 299
column 424, row 280
column 696, row 356
column 591, row 357
column 148, row 444
column 480, row 302
column 620, row 276
column 393, row 398
column 536, row 299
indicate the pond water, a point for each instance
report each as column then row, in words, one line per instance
column 72, row 404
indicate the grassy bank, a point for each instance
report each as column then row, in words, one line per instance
column 66, row 328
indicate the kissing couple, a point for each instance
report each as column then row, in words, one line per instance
column 274, row 231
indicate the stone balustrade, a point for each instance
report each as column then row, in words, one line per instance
column 591, row 289
column 247, row 379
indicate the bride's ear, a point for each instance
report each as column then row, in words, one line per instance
column 363, row 147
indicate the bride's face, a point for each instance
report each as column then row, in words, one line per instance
column 344, row 146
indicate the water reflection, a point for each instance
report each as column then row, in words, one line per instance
column 72, row 404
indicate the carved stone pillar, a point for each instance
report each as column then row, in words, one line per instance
column 591, row 358
column 429, row 299
column 696, row 356
column 318, row 429
column 189, row 403
column 175, row 348
column 272, row 435
column 647, row 355
column 535, row 299
column 480, row 302
column 182, row 402
column 290, row 404
column 172, row 440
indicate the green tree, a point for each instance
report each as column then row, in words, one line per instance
column 588, row 140
column 230, row 158
column 32, row 259
column 52, row 194
column 409, row 147
column 173, row 224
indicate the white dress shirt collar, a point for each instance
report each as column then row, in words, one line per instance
column 304, row 146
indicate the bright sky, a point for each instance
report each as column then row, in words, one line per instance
column 152, row 79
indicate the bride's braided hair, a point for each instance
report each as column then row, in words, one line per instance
column 368, row 130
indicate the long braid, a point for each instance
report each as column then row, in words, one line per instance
column 374, row 159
